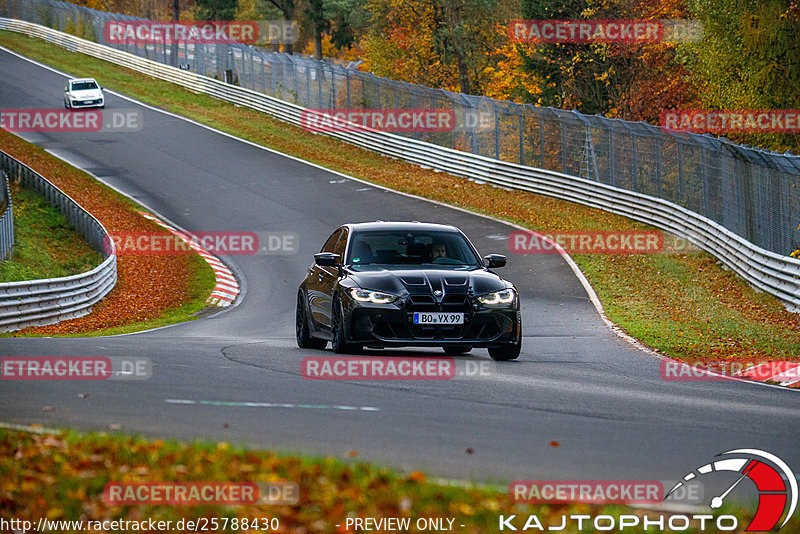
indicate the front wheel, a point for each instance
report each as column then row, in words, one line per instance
column 338, row 343
column 304, row 339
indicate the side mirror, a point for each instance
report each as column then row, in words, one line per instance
column 495, row 260
column 326, row 259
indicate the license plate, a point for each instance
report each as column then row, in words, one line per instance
column 438, row 318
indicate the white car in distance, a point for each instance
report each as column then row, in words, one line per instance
column 83, row 93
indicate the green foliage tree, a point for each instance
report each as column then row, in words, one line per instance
column 315, row 16
column 348, row 19
column 215, row 9
column 749, row 58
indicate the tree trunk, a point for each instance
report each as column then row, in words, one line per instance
column 461, row 60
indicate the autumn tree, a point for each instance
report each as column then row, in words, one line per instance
column 442, row 43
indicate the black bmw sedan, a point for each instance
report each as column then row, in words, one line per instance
column 394, row 284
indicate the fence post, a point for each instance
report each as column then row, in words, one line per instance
column 496, row 132
column 612, row 157
column 347, row 81
column 704, row 170
column 541, row 141
column 635, row 161
column 681, row 181
column 658, row 164
column 563, row 148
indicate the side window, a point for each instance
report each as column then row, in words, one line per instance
column 331, row 242
column 341, row 245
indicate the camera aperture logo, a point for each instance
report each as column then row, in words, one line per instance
column 774, row 480
column 775, row 483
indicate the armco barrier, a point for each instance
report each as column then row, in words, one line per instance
column 6, row 218
column 765, row 270
column 47, row 301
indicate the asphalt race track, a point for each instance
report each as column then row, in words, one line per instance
column 576, row 383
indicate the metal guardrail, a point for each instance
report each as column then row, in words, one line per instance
column 47, row 301
column 6, row 218
column 770, row 272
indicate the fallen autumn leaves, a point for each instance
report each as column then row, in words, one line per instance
column 147, row 286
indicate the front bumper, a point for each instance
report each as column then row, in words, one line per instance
column 94, row 103
column 391, row 325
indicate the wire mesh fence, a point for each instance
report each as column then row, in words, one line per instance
column 754, row 193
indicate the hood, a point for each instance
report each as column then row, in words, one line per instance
column 421, row 281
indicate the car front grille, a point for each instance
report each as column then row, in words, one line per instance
column 398, row 325
column 449, row 303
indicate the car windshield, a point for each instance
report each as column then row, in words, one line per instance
column 83, row 86
column 398, row 247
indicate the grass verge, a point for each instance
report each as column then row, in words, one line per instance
column 45, row 245
column 62, row 477
column 685, row 305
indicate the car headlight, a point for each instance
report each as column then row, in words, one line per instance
column 368, row 295
column 505, row 296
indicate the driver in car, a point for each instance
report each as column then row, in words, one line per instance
column 438, row 250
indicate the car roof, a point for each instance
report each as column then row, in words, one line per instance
column 412, row 226
column 82, row 80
